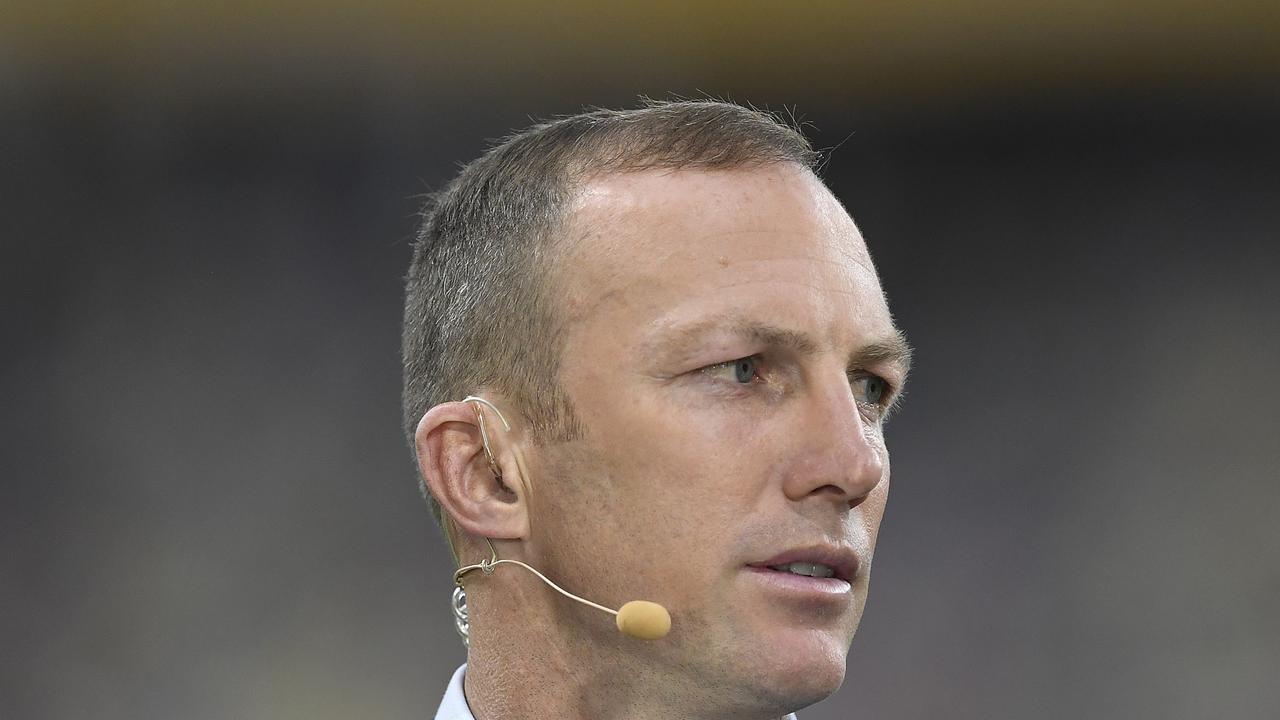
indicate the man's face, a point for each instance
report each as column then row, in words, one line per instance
column 729, row 352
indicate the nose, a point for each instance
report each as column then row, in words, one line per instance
column 840, row 454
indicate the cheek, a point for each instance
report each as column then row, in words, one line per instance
column 654, row 487
column 669, row 496
column 656, row 453
column 873, row 509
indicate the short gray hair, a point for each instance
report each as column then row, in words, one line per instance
column 479, row 307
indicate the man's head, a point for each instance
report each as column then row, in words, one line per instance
column 484, row 294
column 688, row 330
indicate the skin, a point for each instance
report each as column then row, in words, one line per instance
column 686, row 473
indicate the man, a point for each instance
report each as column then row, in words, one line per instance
column 686, row 361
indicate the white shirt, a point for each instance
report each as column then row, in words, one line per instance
column 454, row 704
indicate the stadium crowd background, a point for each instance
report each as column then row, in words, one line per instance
column 206, row 507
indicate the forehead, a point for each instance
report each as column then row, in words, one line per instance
column 655, row 248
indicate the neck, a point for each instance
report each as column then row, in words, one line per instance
column 534, row 654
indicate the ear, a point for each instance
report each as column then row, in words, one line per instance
column 456, row 471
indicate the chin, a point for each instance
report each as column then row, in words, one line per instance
column 785, row 658
column 815, row 667
column 797, row 668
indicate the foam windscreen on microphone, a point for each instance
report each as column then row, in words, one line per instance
column 644, row 620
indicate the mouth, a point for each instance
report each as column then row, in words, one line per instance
column 820, row 562
column 817, row 570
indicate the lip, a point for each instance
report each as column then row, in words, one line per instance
column 843, row 560
column 810, row 589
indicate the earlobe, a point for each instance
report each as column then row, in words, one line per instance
column 451, row 454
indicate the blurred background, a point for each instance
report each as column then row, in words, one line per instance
column 207, row 509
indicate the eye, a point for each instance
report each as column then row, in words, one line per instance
column 870, row 389
column 743, row 371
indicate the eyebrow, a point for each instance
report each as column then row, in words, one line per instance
column 893, row 349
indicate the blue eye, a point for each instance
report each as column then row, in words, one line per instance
column 743, row 371
column 873, row 389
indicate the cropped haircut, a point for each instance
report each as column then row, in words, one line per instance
column 481, row 307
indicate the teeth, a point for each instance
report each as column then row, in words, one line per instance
column 804, row 568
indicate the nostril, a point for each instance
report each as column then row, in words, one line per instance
column 837, row 490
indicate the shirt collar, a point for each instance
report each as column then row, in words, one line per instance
column 454, row 704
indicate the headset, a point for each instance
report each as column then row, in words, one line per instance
column 640, row 619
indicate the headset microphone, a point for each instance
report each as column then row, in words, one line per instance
column 640, row 619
